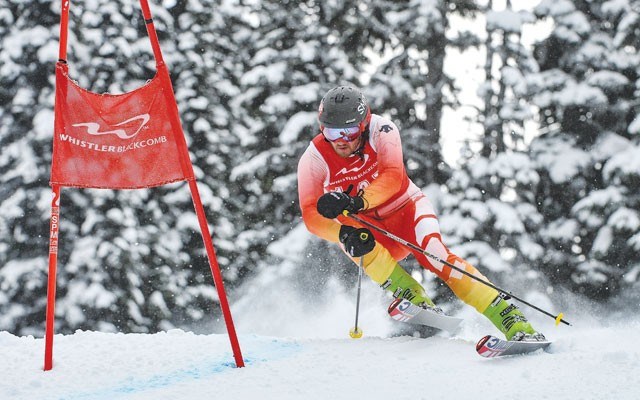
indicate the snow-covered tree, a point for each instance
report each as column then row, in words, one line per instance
column 409, row 83
column 27, row 43
column 486, row 214
column 587, row 158
column 128, row 260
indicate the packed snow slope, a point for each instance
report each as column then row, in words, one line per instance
column 318, row 360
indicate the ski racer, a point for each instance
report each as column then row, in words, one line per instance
column 355, row 164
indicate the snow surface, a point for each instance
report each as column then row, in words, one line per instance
column 318, row 360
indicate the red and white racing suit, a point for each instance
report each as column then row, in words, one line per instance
column 392, row 202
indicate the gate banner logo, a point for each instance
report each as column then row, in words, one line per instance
column 93, row 127
column 124, row 141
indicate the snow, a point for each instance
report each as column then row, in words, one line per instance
column 608, row 145
column 568, row 165
column 6, row 16
column 510, row 165
column 562, row 229
column 594, row 271
column 632, row 275
column 625, row 163
column 608, row 80
column 603, row 241
column 567, row 35
column 189, row 221
column 598, row 199
column 474, row 251
column 273, row 74
column 506, row 217
column 613, row 8
column 277, row 103
column 625, row 219
column 576, row 22
column 248, row 168
column 306, row 93
column 297, row 125
column 581, row 94
column 587, row 361
column 634, row 241
column 634, row 126
column 555, row 7
column 513, row 78
column 530, row 249
column 625, row 27
column 506, row 20
column 42, row 123
column 292, row 244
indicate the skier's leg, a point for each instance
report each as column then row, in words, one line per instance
column 383, row 269
column 486, row 300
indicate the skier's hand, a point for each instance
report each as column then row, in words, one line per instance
column 357, row 241
column 332, row 204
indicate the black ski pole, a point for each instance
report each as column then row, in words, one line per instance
column 356, row 333
column 412, row 246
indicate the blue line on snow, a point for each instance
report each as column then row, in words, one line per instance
column 272, row 351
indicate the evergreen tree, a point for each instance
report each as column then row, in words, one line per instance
column 27, row 43
column 122, row 251
column 587, row 157
column 410, row 84
column 128, row 260
column 487, row 214
column 293, row 59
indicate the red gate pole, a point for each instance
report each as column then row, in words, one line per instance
column 64, row 28
column 215, row 271
column 54, row 228
column 187, row 168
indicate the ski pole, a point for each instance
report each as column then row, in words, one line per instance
column 356, row 333
column 412, row 246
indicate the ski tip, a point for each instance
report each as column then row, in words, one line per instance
column 481, row 342
column 393, row 305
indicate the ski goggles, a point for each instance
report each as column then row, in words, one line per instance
column 348, row 134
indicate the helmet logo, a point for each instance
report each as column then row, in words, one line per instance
column 362, row 107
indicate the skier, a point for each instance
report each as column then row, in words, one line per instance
column 355, row 164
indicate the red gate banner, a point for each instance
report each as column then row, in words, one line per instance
column 122, row 141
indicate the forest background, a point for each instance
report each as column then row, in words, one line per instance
column 540, row 190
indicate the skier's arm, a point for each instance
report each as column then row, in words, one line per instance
column 311, row 175
column 391, row 172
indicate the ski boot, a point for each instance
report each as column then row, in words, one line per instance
column 403, row 286
column 510, row 321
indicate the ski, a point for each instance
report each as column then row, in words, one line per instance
column 404, row 311
column 491, row 346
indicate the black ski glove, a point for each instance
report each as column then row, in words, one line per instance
column 357, row 241
column 332, row 204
